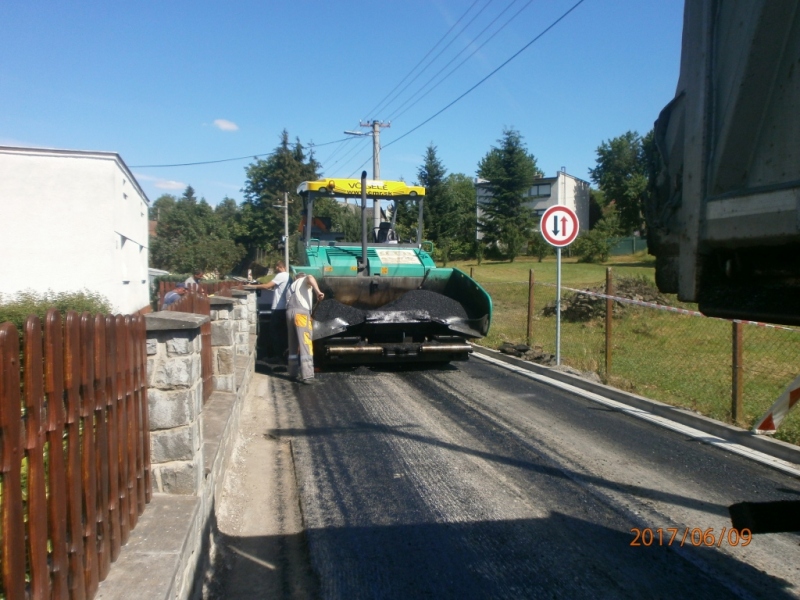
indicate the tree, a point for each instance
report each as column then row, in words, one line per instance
column 165, row 202
column 594, row 246
column 510, row 170
column 191, row 235
column 461, row 220
column 267, row 180
column 622, row 173
column 539, row 247
column 436, row 205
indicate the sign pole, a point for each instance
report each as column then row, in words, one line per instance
column 558, row 305
column 559, row 226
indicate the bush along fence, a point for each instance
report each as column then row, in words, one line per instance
column 99, row 413
column 75, row 450
column 636, row 339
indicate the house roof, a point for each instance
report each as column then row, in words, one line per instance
column 97, row 155
column 483, row 182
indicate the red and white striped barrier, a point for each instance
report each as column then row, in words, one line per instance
column 772, row 419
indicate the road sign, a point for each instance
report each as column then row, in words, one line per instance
column 559, row 226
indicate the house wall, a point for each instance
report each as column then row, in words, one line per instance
column 72, row 220
column 569, row 191
column 565, row 190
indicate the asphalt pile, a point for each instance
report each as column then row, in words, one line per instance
column 330, row 309
column 437, row 305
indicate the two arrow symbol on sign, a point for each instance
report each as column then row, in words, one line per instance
column 555, row 224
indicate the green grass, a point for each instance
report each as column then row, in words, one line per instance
column 677, row 359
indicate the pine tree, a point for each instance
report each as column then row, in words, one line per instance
column 436, row 207
column 267, row 180
column 510, row 170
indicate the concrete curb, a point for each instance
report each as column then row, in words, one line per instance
column 775, row 448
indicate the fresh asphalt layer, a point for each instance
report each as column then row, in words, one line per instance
column 472, row 481
column 759, row 448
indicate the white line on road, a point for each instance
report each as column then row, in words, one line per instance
column 691, row 432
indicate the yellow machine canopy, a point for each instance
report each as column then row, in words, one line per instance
column 351, row 188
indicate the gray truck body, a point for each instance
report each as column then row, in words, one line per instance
column 724, row 221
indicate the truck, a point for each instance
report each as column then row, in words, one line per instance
column 386, row 301
column 723, row 220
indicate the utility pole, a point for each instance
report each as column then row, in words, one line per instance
column 286, row 230
column 376, row 161
column 285, row 207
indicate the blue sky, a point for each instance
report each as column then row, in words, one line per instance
column 175, row 82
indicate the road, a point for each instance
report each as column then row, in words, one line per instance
column 474, row 482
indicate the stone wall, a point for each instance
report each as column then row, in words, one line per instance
column 175, row 401
column 191, row 445
column 223, row 341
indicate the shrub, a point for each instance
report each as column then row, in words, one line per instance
column 595, row 246
column 448, row 250
column 539, row 248
column 478, row 250
column 16, row 308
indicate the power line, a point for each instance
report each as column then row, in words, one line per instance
column 431, row 61
column 222, row 160
column 416, row 99
column 360, row 167
column 350, row 153
column 474, row 87
column 441, row 39
column 205, row 162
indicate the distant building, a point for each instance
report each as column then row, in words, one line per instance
column 71, row 220
column 562, row 190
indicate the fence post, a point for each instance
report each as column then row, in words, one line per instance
column 470, row 273
column 609, row 317
column 529, row 337
column 737, row 407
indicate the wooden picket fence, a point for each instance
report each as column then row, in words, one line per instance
column 199, row 304
column 75, row 442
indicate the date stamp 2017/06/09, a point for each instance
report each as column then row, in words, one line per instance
column 691, row 536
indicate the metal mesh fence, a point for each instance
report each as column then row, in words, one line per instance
column 681, row 358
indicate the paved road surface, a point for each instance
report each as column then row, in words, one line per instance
column 473, row 482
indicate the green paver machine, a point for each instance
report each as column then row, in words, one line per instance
column 385, row 301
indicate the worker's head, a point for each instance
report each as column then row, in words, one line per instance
column 198, row 273
column 280, row 267
column 180, row 289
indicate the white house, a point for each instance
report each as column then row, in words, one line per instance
column 73, row 220
column 563, row 190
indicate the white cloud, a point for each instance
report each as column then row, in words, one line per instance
column 162, row 184
column 226, row 125
column 168, row 184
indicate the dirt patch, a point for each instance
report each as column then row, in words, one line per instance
column 578, row 308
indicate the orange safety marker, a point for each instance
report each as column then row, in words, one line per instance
column 772, row 418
